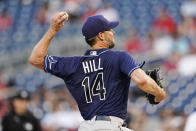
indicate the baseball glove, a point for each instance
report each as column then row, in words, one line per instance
column 154, row 74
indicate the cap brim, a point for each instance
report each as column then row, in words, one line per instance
column 113, row 24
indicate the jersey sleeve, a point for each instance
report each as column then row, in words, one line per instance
column 59, row 66
column 127, row 63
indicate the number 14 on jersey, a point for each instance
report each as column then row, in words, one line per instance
column 97, row 88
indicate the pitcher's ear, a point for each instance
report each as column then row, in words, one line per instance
column 100, row 36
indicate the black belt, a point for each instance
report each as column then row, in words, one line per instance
column 104, row 118
column 107, row 118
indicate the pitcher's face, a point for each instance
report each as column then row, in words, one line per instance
column 109, row 38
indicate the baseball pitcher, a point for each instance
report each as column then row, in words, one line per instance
column 98, row 80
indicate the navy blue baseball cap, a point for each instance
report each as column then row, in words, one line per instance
column 95, row 24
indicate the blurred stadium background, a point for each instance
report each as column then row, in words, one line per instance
column 161, row 32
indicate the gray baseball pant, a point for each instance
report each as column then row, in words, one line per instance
column 115, row 124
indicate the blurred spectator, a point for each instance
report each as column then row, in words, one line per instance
column 163, row 23
column 166, row 120
column 41, row 16
column 171, row 63
column 147, row 44
column 188, row 9
column 5, row 21
column 64, row 113
column 19, row 118
column 179, row 47
column 56, row 5
column 179, row 43
column 188, row 25
column 73, row 9
column 175, row 123
column 162, row 46
column 89, row 12
column 190, row 124
column 186, row 65
column 50, row 7
column 95, row 4
column 35, row 104
column 3, row 103
column 90, row 8
column 168, row 45
column 69, row 120
column 188, row 29
column 137, row 119
column 133, row 44
column 108, row 12
column 163, row 26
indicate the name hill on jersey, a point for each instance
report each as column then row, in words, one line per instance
column 89, row 66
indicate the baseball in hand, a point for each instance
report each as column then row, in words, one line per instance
column 67, row 16
column 64, row 15
column 58, row 20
